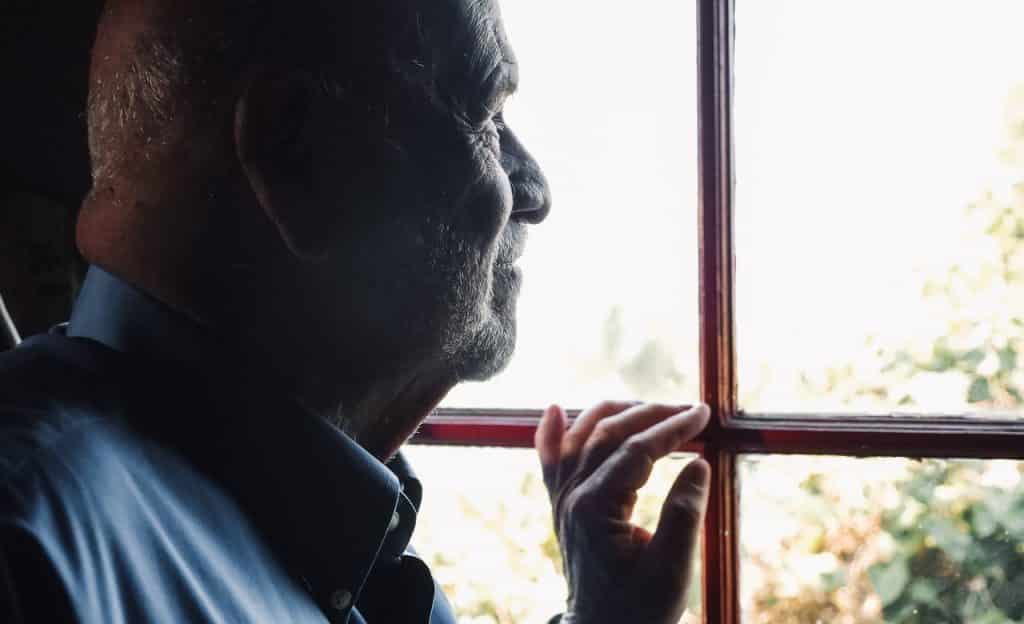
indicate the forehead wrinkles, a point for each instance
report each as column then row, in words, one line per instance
column 455, row 46
column 484, row 44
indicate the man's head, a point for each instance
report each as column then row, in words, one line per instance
column 331, row 182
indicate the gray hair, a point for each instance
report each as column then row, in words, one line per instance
column 175, row 79
column 139, row 99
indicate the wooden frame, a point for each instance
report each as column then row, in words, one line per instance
column 732, row 432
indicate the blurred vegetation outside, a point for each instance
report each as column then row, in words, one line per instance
column 485, row 530
column 902, row 541
column 824, row 539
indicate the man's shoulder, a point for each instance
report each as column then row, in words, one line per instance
column 90, row 498
column 52, row 367
column 46, row 396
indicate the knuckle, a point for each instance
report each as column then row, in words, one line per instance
column 604, row 431
column 637, row 446
column 607, row 405
column 573, row 508
column 578, row 493
column 602, row 440
column 583, row 498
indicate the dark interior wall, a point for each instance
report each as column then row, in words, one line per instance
column 44, row 164
column 39, row 268
column 44, row 51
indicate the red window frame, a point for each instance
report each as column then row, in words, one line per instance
column 733, row 432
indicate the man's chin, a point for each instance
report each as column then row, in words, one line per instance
column 489, row 352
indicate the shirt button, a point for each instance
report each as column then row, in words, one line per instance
column 395, row 521
column 341, row 599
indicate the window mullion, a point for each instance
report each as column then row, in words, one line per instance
column 718, row 359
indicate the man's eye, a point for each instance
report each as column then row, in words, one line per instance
column 488, row 133
column 479, row 121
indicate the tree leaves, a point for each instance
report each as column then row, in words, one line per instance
column 890, row 579
column 979, row 391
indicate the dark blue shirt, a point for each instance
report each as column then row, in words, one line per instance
column 145, row 478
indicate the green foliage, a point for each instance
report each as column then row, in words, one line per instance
column 945, row 539
column 488, row 537
column 961, row 559
column 890, row 579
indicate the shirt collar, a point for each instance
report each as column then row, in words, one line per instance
column 322, row 502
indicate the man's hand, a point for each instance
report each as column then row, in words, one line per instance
column 618, row 572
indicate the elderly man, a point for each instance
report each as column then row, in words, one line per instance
column 304, row 224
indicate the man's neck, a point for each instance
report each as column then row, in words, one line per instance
column 391, row 411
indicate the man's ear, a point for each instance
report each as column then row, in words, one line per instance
column 274, row 132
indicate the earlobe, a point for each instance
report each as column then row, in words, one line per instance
column 274, row 147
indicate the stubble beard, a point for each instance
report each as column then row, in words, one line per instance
column 481, row 341
column 486, row 351
column 476, row 340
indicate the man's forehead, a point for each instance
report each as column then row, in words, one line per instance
column 466, row 35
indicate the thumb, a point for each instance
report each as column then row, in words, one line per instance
column 682, row 517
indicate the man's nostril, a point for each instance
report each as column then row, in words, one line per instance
column 531, row 201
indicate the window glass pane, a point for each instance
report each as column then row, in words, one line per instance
column 485, row 530
column 835, row 539
column 880, row 206
column 607, row 105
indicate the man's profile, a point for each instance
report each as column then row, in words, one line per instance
column 303, row 228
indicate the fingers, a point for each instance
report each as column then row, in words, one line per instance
column 586, row 421
column 611, row 432
column 682, row 516
column 628, row 468
column 548, row 437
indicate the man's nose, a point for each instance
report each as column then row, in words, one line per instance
column 531, row 196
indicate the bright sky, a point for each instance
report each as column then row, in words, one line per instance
column 862, row 129
column 607, row 106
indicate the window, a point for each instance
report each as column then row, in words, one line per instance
column 829, row 251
